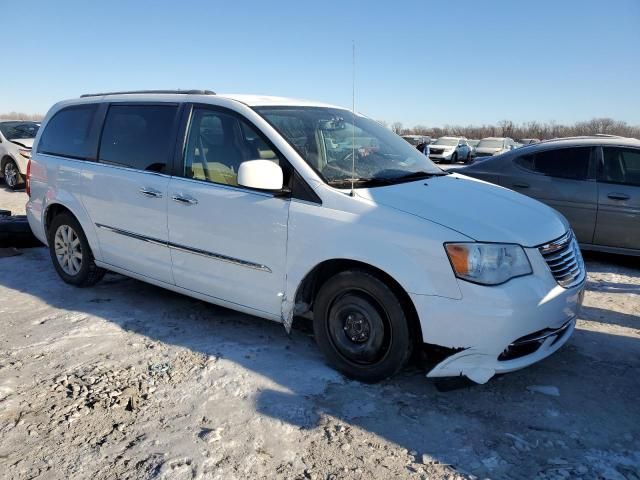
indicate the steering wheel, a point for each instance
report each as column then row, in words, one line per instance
column 348, row 157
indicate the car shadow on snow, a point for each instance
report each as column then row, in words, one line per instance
column 613, row 287
column 487, row 430
column 601, row 261
column 610, row 317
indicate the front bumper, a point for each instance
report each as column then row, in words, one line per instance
column 501, row 328
column 441, row 156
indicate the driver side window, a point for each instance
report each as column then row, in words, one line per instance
column 217, row 143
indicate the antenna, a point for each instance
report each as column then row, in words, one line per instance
column 353, row 118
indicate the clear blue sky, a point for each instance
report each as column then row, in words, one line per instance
column 418, row 62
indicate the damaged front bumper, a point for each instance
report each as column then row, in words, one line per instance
column 493, row 330
column 480, row 367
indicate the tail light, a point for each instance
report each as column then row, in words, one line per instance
column 27, row 185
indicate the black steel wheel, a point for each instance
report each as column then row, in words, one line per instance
column 361, row 327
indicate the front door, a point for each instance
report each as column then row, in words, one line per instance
column 227, row 242
column 125, row 193
column 618, row 223
column 563, row 179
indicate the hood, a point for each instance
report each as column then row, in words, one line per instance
column 477, row 209
column 443, row 147
column 23, row 142
column 489, row 150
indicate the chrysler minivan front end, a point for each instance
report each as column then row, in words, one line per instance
column 519, row 305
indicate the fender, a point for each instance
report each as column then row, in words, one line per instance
column 407, row 248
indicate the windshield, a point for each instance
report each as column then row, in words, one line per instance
column 449, row 142
column 326, row 137
column 19, row 130
column 473, row 143
column 489, row 143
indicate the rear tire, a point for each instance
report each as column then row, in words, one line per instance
column 361, row 327
column 12, row 177
column 454, row 158
column 71, row 253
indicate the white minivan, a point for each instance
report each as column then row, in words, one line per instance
column 281, row 208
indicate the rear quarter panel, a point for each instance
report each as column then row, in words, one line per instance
column 54, row 181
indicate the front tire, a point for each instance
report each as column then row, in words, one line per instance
column 12, row 177
column 71, row 254
column 361, row 327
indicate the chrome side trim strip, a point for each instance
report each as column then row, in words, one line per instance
column 137, row 236
column 183, row 248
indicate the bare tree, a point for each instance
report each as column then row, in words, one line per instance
column 532, row 129
column 396, row 127
column 21, row 116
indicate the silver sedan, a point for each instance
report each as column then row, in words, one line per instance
column 593, row 181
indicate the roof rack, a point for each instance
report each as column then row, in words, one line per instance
column 182, row 92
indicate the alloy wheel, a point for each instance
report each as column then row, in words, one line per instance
column 68, row 250
column 10, row 174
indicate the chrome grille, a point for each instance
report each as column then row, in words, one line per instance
column 564, row 260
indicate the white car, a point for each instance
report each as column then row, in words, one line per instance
column 16, row 139
column 279, row 207
column 450, row 150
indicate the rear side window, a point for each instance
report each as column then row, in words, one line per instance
column 139, row 136
column 621, row 165
column 71, row 133
column 571, row 163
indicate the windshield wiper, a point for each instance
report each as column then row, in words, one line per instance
column 419, row 175
column 361, row 182
column 378, row 181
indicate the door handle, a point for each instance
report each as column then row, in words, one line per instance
column 521, row 185
column 618, row 196
column 184, row 200
column 150, row 192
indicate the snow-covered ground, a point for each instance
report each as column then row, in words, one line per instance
column 126, row 380
column 14, row 200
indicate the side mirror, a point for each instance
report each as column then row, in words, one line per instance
column 261, row 175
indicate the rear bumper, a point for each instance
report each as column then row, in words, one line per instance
column 503, row 328
column 34, row 216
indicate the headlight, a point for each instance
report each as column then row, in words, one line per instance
column 25, row 152
column 488, row 263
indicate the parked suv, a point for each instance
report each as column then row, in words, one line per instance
column 16, row 138
column 421, row 142
column 279, row 207
column 490, row 146
column 450, row 150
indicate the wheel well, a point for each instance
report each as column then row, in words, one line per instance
column 53, row 211
column 312, row 282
